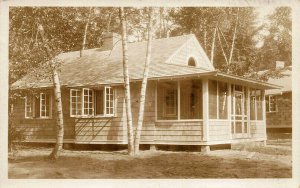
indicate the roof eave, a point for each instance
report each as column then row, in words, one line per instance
column 248, row 81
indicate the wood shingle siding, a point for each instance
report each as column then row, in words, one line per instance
column 282, row 118
column 257, row 130
column 191, row 49
column 219, row 130
column 182, row 131
column 39, row 128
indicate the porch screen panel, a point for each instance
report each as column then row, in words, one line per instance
column 222, row 89
column 259, row 105
column 252, row 105
column 191, row 99
column 167, row 102
column 213, row 102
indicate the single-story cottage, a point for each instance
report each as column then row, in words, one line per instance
column 279, row 101
column 188, row 102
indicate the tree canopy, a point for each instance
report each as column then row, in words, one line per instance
column 231, row 29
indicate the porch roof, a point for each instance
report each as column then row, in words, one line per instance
column 246, row 81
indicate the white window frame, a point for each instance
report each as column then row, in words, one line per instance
column 76, row 102
column 29, row 105
column 110, row 108
column 269, row 103
column 45, row 105
column 110, row 97
column 33, row 107
column 88, row 102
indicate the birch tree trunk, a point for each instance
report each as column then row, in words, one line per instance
column 224, row 54
column 213, row 47
column 85, row 32
column 58, row 103
column 126, row 82
column 233, row 39
column 144, row 86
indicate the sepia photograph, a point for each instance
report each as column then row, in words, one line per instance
column 150, row 92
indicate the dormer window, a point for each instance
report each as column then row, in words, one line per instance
column 192, row 62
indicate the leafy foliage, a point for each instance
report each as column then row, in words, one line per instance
column 277, row 43
column 203, row 21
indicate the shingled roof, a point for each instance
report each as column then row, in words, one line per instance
column 285, row 82
column 97, row 67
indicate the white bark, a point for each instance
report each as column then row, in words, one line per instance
column 144, row 86
column 126, row 82
column 224, row 54
column 85, row 32
column 213, row 46
column 233, row 39
column 58, row 102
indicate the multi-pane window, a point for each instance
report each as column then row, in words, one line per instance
column 92, row 102
column 88, row 104
column 44, row 105
column 271, row 103
column 109, row 98
column 28, row 106
column 76, row 102
column 38, row 106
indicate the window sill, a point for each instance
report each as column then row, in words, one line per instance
column 93, row 117
column 38, row 118
column 176, row 120
column 271, row 112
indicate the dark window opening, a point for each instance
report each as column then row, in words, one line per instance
column 192, row 62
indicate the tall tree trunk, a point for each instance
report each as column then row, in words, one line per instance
column 233, row 38
column 58, row 103
column 126, row 82
column 212, row 52
column 144, row 86
column 205, row 37
column 85, row 32
column 224, row 54
column 160, row 21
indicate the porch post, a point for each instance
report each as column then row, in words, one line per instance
column 205, row 110
column 264, row 112
column 229, row 107
column 248, row 111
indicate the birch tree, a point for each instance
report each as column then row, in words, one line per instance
column 126, row 82
column 57, row 94
column 144, row 85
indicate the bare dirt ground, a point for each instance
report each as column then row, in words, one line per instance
column 271, row 161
